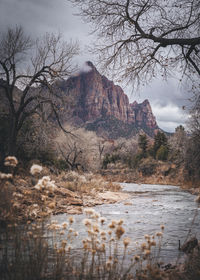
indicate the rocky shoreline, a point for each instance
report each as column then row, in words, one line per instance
column 67, row 193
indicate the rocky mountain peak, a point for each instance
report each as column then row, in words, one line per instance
column 99, row 101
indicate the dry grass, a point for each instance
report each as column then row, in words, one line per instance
column 45, row 251
column 85, row 183
column 35, row 196
column 25, row 252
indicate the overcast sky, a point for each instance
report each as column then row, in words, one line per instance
column 39, row 16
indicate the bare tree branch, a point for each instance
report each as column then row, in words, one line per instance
column 52, row 60
column 139, row 39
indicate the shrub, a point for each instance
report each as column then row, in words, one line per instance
column 110, row 159
column 162, row 153
column 61, row 164
column 133, row 162
column 147, row 167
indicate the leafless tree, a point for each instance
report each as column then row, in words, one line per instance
column 192, row 145
column 101, row 147
column 80, row 150
column 194, row 121
column 142, row 38
column 177, row 144
column 29, row 65
column 72, row 154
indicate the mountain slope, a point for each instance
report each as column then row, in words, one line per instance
column 100, row 105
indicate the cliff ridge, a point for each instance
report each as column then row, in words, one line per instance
column 102, row 106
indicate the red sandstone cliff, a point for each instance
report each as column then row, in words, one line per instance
column 96, row 97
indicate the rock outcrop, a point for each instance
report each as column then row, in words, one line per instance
column 98, row 101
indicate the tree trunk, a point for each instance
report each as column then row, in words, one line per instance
column 12, row 140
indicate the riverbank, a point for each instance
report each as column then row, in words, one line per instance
column 164, row 174
column 27, row 197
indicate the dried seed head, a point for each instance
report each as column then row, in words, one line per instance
column 159, row 234
column 119, row 231
column 126, row 241
column 162, row 227
column 103, row 247
column 10, row 161
column 64, row 243
column 153, row 243
column 5, row 175
column 95, row 228
column 136, row 258
column 71, row 220
column 35, row 169
column 86, row 246
column 102, row 233
column 96, row 215
column 64, row 225
column 147, row 237
column 87, row 222
column 71, row 230
column 120, row 222
column 112, row 225
column 143, row 246
column 147, row 252
column 102, row 220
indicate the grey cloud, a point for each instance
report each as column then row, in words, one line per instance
column 168, row 126
column 170, row 116
column 162, row 92
column 42, row 16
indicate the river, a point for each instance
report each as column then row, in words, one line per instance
column 148, row 207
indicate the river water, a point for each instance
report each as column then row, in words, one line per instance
column 150, row 206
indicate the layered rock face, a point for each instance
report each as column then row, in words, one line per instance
column 97, row 98
column 143, row 114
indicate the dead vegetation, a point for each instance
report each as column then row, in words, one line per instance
column 29, row 197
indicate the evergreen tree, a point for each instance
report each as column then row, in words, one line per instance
column 160, row 139
column 162, row 153
column 143, row 143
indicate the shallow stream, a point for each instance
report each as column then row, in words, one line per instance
column 148, row 207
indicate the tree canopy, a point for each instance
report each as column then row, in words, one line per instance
column 141, row 38
column 29, row 65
